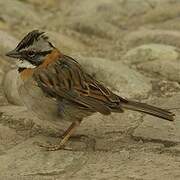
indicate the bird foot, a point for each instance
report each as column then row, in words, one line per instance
column 52, row 147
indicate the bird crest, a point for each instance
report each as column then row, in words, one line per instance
column 29, row 39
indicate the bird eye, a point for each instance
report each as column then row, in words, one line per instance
column 31, row 53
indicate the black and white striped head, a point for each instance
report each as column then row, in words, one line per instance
column 31, row 50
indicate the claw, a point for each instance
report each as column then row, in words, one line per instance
column 51, row 147
column 62, row 143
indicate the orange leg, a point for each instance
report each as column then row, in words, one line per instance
column 68, row 133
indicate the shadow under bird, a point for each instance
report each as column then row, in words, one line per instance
column 55, row 86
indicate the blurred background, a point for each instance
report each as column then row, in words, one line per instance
column 133, row 47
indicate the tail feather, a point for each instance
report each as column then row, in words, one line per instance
column 148, row 109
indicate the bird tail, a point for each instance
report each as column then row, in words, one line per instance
column 148, row 109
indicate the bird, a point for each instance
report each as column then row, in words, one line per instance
column 56, row 87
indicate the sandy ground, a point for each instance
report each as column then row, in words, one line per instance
column 132, row 46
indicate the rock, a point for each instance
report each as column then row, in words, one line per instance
column 1, row 76
column 102, row 18
column 155, row 129
column 174, row 149
column 65, row 43
column 150, row 52
column 155, row 59
column 9, row 138
column 43, row 3
column 10, row 86
column 105, row 165
column 112, row 130
column 96, row 130
column 117, row 76
column 148, row 36
column 165, row 88
column 160, row 12
column 22, row 120
column 8, row 42
column 18, row 13
column 107, row 19
column 27, row 159
column 3, row 25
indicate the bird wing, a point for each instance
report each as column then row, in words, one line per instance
column 65, row 79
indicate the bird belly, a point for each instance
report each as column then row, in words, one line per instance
column 46, row 107
column 35, row 100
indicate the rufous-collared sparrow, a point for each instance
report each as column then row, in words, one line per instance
column 55, row 86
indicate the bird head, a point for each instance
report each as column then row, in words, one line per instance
column 32, row 50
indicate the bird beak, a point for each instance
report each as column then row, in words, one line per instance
column 13, row 54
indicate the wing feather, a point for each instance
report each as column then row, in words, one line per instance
column 65, row 79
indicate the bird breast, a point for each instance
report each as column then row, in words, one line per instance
column 35, row 100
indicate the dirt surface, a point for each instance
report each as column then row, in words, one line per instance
column 132, row 46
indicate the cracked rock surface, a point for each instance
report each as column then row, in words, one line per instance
column 133, row 47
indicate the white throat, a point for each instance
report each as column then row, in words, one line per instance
column 24, row 64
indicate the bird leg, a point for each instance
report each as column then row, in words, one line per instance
column 66, row 136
